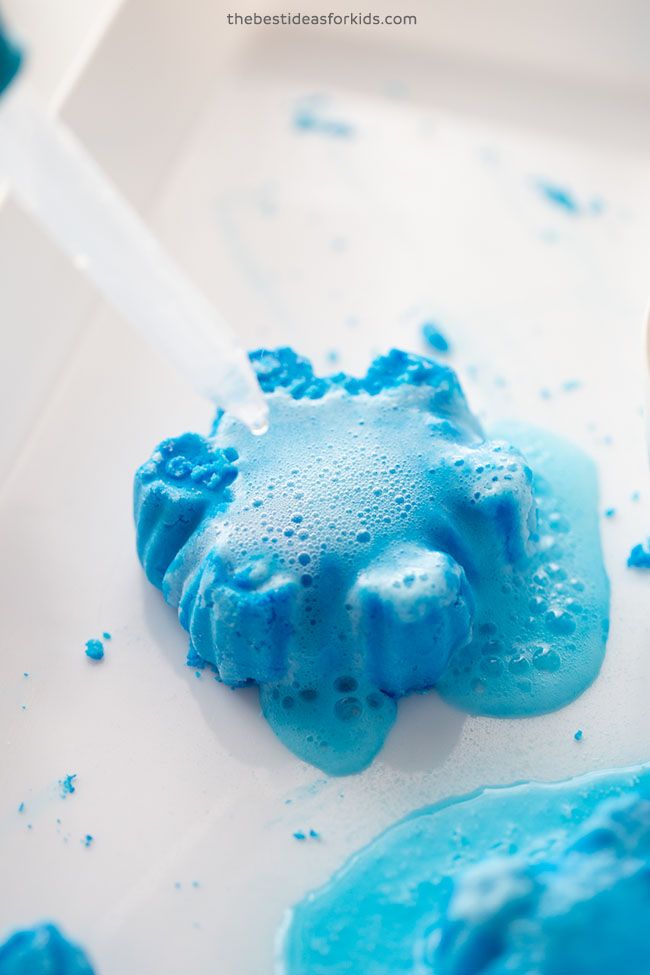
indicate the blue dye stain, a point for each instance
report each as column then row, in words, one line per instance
column 67, row 786
column 95, row 649
column 562, row 198
column 42, row 950
column 559, row 196
column 610, row 512
column 87, row 840
column 435, row 338
column 579, row 735
column 639, row 557
column 437, row 556
column 313, row 117
column 536, row 878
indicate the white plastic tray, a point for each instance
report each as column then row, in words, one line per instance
column 332, row 244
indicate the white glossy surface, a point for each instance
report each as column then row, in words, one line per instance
column 343, row 244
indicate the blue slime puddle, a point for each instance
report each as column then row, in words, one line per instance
column 42, row 950
column 531, row 879
column 374, row 543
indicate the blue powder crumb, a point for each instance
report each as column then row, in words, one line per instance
column 87, row 840
column 435, row 338
column 314, row 834
column 67, row 786
column 639, row 557
column 21, row 807
column 579, row 735
column 95, row 649
column 635, row 496
column 299, row 835
column 106, row 636
column 610, row 512
column 42, row 950
column 570, row 385
column 25, row 673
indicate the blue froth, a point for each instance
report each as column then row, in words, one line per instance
column 42, row 950
column 528, row 880
column 372, row 544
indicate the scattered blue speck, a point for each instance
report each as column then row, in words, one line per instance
column 195, row 884
column 610, row 512
column 639, row 557
column 177, row 885
column 578, row 735
column 545, row 393
column 635, row 496
column 107, row 636
column 21, row 807
column 570, row 385
column 23, row 707
column 67, row 785
column 315, row 835
column 559, row 196
column 94, row 649
column 26, row 674
column 299, row 835
column 434, row 338
column 307, row 120
column 87, row 840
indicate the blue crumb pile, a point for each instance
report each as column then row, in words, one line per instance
column 67, row 786
column 533, row 879
column 375, row 543
column 639, row 557
column 435, row 338
column 95, row 649
column 42, row 950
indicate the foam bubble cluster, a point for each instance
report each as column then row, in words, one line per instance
column 374, row 543
column 530, row 880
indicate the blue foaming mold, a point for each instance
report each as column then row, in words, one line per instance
column 42, row 950
column 374, row 543
column 531, row 879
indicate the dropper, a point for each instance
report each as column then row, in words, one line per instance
column 57, row 180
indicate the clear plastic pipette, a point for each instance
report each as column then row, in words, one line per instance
column 58, row 181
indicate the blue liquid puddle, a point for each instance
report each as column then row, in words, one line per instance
column 532, row 879
column 42, row 950
column 374, row 543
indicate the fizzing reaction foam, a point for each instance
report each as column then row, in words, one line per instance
column 372, row 544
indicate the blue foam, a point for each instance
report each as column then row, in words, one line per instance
column 42, row 950
column 534, row 879
column 374, row 543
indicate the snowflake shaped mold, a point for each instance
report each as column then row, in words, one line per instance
column 374, row 543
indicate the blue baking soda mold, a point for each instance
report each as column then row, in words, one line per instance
column 374, row 543
column 42, row 950
column 533, row 879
